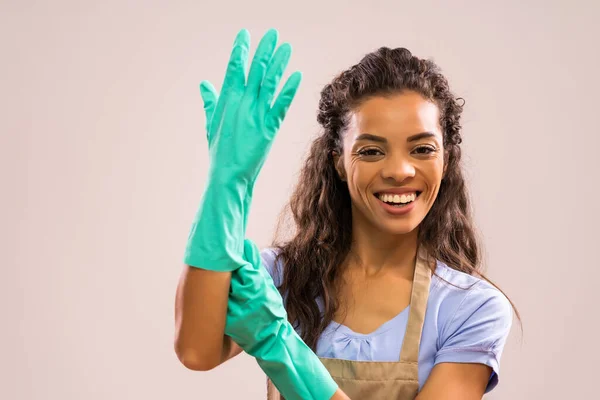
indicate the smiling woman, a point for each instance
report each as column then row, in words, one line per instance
column 381, row 203
column 381, row 278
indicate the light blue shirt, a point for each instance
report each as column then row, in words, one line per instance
column 464, row 324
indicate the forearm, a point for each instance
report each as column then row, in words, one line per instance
column 286, row 359
column 216, row 239
column 257, row 321
column 200, row 313
column 339, row 395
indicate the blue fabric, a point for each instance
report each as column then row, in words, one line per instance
column 464, row 324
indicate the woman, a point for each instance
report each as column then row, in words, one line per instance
column 381, row 277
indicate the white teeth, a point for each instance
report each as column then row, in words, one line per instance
column 398, row 199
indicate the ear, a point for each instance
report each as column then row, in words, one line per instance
column 338, row 163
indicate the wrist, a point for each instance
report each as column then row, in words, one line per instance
column 228, row 188
column 231, row 175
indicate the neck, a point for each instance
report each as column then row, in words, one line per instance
column 374, row 251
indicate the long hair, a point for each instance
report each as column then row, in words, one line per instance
column 320, row 204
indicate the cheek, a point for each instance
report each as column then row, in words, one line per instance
column 360, row 175
column 433, row 176
column 435, row 171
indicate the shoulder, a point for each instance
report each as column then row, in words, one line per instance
column 453, row 288
column 469, row 305
column 472, row 320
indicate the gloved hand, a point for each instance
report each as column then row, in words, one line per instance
column 241, row 125
column 257, row 322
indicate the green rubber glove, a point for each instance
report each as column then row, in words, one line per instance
column 257, row 322
column 241, row 124
column 240, row 127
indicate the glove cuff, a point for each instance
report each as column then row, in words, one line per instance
column 216, row 238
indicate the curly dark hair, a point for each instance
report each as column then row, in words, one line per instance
column 321, row 205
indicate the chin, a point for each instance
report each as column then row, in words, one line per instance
column 397, row 228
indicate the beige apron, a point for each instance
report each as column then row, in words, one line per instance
column 397, row 380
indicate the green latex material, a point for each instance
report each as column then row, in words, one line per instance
column 241, row 124
column 257, row 321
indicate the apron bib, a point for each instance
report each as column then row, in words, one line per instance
column 385, row 380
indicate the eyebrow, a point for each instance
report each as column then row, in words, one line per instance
column 380, row 139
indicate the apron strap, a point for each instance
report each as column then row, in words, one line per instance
column 418, row 306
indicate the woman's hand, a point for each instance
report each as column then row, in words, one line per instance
column 241, row 123
column 257, row 321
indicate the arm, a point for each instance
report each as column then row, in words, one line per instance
column 230, row 349
column 241, row 124
column 339, row 395
column 200, row 342
column 467, row 363
column 454, row 381
column 200, row 311
column 258, row 322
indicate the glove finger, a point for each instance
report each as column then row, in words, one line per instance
column 244, row 287
column 235, row 77
column 209, row 97
column 244, row 282
column 283, row 102
column 261, row 60
column 252, row 253
column 273, row 76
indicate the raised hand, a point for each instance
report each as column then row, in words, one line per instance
column 241, row 124
column 243, row 120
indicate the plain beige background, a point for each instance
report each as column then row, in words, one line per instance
column 104, row 158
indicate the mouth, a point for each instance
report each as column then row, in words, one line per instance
column 398, row 200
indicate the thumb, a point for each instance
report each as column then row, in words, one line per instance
column 252, row 253
column 209, row 97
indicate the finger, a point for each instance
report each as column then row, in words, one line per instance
column 261, row 60
column 274, row 73
column 209, row 98
column 235, row 77
column 283, row 102
column 251, row 253
column 235, row 74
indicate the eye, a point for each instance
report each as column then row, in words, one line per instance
column 425, row 150
column 369, row 152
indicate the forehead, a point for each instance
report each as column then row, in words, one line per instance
column 398, row 115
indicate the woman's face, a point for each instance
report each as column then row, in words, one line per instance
column 393, row 161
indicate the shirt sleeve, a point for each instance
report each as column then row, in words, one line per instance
column 478, row 330
column 268, row 257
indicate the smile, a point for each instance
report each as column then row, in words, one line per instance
column 397, row 199
column 397, row 204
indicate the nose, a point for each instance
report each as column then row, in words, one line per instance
column 398, row 169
